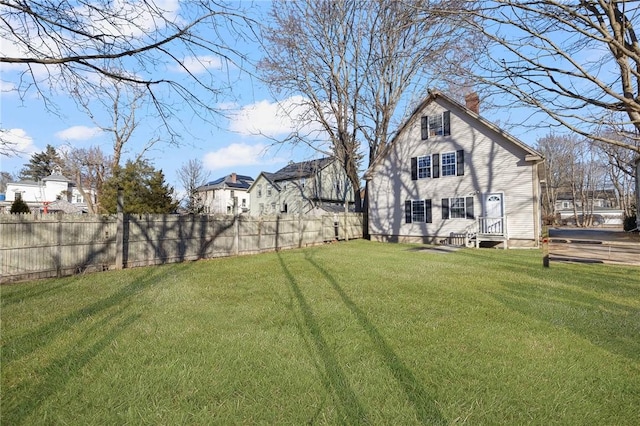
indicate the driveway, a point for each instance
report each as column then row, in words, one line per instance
column 594, row 245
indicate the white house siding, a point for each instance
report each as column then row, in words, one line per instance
column 492, row 164
column 221, row 200
column 49, row 189
column 300, row 195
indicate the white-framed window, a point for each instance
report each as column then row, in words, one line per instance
column 457, row 208
column 417, row 211
column 448, row 163
column 260, row 191
column 437, row 165
column 269, row 190
column 436, row 125
column 424, row 167
column 303, row 181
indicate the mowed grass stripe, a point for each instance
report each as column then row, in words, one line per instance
column 356, row 332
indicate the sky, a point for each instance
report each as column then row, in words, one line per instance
column 242, row 141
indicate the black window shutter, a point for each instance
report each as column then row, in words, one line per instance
column 425, row 127
column 414, row 168
column 446, row 123
column 469, row 208
column 445, row 208
column 435, row 165
column 460, row 162
column 407, row 211
column 427, row 211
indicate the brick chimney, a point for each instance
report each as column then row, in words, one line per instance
column 233, row 178
column 473, row 102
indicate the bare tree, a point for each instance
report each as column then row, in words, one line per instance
column 356, row 63
column 558, row 153
column 121, row 103
column 192, row 175
column 577, row 62
column 620, row 167
column 90, row 168
column 71, row 47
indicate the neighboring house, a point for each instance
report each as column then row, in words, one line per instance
column 450, row 176
column 218, row 196
column 53, row 193
column 309, row 187
column 601, row 209
column 604, row 199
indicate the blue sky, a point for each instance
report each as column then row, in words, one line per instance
column 241, row 142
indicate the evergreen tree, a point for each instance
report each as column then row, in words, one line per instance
column 41, row 164
column 19, row 206
column 145, row 190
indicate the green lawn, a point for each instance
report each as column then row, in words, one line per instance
column 347, row 333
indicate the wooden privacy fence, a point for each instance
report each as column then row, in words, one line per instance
column 55, row 245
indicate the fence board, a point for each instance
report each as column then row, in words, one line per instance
column 38, row 246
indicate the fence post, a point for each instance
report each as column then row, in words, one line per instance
column 59, row 246
column 236, row 226
column 120, row 230
column 545, row 246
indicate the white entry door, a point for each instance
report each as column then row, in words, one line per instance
column 494, row 213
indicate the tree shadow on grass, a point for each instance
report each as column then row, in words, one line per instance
column 333, row 377
column 20, row 292
column 23, row 400
column 609, row 325
column 423, row 403
column 31, row 341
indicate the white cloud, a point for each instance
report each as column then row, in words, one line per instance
column 237, row 154
column 273, row 119
column 19, row 142
column 79, row 133
column 198, row 64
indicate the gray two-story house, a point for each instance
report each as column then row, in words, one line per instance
column 308, row 187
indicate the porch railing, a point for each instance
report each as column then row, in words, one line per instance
column 492, row 226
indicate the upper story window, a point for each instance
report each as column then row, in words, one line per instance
column 269, row 190
column 437, row 165
column 448, row 163
column 259, row 191
column 302, row 182
column 436, row 125
column 424, row 167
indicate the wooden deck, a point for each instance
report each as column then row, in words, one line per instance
column 594, row 246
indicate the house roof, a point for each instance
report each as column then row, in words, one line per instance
column 303, row 169
column 64, row 206
column 241, row 182
column 57, row 177
column 532, row 154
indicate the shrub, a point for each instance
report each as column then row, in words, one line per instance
column 19, row 206
column 630, row 223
